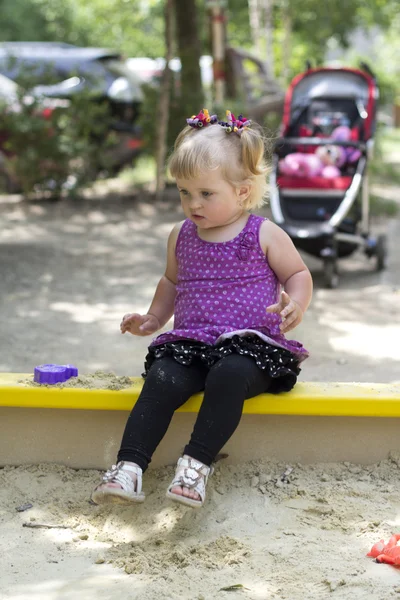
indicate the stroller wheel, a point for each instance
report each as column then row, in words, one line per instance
column 331, row 274
column 381, row 253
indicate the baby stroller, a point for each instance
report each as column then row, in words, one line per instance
column 320, row 201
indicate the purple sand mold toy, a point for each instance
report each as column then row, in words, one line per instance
column 51, row 374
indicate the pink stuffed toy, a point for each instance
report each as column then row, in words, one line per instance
column 327, row 160
column 308, row 165
column 302, row 165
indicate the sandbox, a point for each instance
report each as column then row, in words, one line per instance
column 82, row 427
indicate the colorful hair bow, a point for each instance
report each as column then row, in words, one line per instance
column 236, row 125
column 202, row 119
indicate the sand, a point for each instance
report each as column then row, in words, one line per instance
column 99, row 380
column 304, row 538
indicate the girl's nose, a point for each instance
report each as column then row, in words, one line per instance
column 195, row 202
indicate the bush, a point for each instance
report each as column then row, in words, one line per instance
column 52, row 144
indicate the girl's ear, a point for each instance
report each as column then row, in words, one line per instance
column 243, row 192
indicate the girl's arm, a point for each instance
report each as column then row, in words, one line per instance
column 293, row 274
column 162, row 306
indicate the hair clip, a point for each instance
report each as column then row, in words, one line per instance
column 236, row 125
column 202, row 119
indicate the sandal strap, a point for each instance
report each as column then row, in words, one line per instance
column 192, row 474
column 117, row 475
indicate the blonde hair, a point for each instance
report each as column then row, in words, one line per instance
column 240, row 157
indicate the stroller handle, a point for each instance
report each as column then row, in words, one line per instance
column 316, row 141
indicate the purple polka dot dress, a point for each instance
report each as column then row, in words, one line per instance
column 223, row 289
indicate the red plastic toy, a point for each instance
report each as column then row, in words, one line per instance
column 387, row 553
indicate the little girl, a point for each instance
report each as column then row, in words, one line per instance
column 225, row 268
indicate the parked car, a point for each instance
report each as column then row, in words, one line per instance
column 61, row 71
column 148, row 69
column 8, row 90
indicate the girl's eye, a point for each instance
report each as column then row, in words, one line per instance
column 183, row 192
column 206, row 194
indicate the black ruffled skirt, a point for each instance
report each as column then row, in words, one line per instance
column 280, row 364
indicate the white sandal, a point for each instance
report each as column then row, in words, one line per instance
column 129, row 491
column 192, row 474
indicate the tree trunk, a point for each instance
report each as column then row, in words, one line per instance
column 218, row 35
column 164, row 102
column 189, row 51
column 254, row 16
column 287, row 39
column 268, row 22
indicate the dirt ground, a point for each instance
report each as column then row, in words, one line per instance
column 70, row 270
column 68, row 273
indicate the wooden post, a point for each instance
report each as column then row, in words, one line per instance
column 218, row 46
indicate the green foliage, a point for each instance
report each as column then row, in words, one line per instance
column 136, row 28
column 142, row 173
column 383, row 207
column 386, row 63
column 382, row 167
column 49, row 20
column 315, row 23
column 125, row 25
column 385, row 173
column 51, row 144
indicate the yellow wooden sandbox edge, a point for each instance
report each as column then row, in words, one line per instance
column 308, row 398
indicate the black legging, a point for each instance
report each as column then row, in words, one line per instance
column 169, row 384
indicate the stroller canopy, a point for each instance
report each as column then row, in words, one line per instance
column 333, row 87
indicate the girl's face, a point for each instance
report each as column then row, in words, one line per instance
column 210, row 201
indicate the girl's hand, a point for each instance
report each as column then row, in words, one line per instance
column 289, row 310
column 139, row 324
